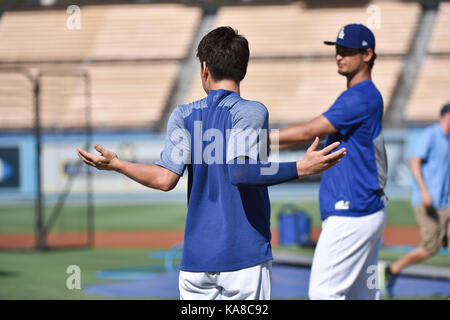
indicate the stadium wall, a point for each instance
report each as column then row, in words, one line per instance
column 59, row 158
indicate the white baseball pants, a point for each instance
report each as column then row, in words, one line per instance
column 253, row 283
column 346, row 257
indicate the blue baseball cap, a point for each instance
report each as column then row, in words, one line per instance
column 356, row 36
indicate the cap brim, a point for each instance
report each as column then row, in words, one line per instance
column 329, row 43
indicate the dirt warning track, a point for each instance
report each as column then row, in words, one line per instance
column 166, row 238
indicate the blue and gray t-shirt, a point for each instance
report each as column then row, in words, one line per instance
column 227, row 226
column 354, row 187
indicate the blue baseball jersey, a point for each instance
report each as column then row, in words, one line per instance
column 433, row 147
column 227, row 226
column 354, row 187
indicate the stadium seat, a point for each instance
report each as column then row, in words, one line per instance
column 440, row 39
column 431, row 91
column 296, row 30
column 147, row 31
column 127, row 95
column 16, row 101
column 132, row 53
column 131, row 95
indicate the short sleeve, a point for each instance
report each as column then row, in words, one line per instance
column 249, row 132
column 422, row 147
column 177, row 152
column 347, row 112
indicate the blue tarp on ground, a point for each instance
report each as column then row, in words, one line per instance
column 288, row 282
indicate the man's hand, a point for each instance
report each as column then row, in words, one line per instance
column 149, row 175
column 316, row 162
column 416, row 168
column 426, row 198
column 108, row 160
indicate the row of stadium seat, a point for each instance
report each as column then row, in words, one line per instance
column 105, row 33
column 122, row 95
column 440, row 40
column 298, row 90
column 296, row 30
column 165, row 31
column 431, row 91
column 133, row 55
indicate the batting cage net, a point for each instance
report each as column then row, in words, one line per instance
column 54, row 205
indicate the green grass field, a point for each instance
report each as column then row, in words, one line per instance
column 158, row 216
column 42, row 275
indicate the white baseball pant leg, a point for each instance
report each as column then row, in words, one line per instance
column 253, row 283
column 346, row 257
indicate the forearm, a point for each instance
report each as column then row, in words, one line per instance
column 262, row 174
column 282, row 139
column 415, row 165
column 296, row 135
column 285, row 146
column 149, row 175
column 292, row 136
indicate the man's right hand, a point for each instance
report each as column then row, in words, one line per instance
column 415, row 165
column 106, row 161
column 315, row 162
column 426, row 198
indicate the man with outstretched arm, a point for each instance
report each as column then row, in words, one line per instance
column 351, row 197
column 219, row 139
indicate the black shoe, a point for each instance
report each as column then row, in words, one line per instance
column 389, row 281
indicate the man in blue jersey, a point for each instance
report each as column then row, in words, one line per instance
column 220, row 140
column 430, row 166
column 352, row 202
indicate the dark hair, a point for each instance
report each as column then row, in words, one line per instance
column 445, row 109
column 226, row 54
column 372, row 61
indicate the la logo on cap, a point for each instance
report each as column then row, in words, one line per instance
column 341, row 33
column 364, row 43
